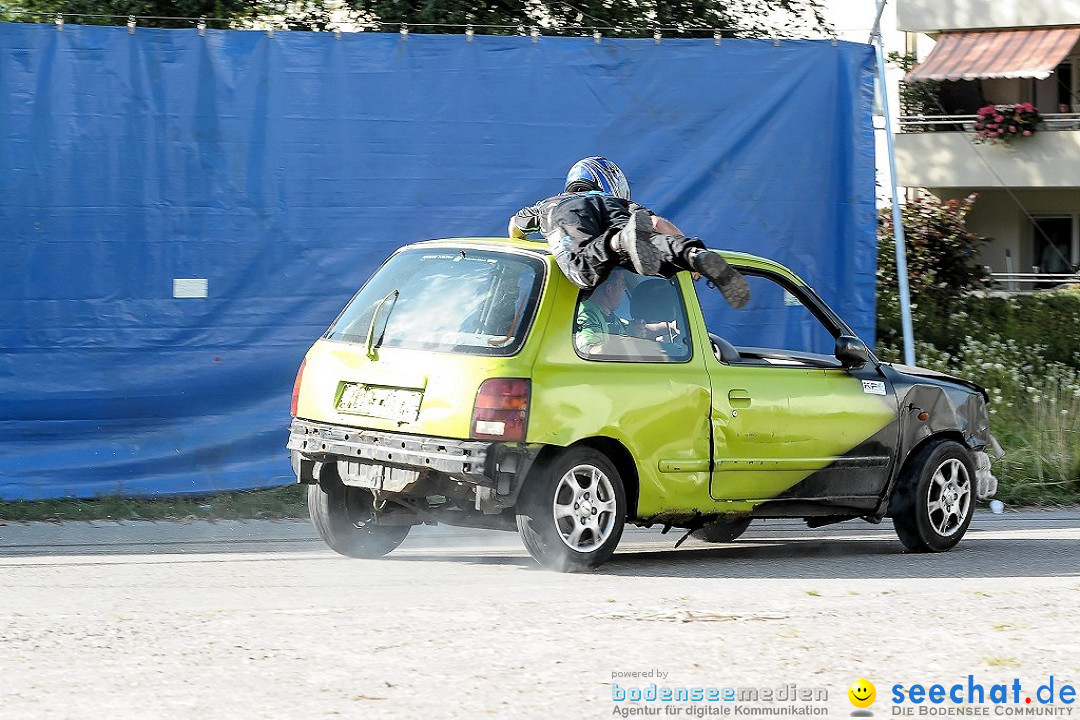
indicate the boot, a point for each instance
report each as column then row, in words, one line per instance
column 727, row 279
column 634, row 244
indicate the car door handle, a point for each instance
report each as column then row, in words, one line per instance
column 738, row 398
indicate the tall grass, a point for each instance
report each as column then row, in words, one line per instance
column 1034, row 413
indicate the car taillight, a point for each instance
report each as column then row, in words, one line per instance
column 501, row 410
column 296, row 386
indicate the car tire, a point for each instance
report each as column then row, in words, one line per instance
column 343, row 516
column 935, row 497
column 572, row 510
column 721, row 531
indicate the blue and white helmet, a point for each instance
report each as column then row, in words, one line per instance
column 601, row 172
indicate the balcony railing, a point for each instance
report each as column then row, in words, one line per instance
column 1023, row 282
column 966, row 123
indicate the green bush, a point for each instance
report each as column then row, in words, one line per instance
column 1023, row 348
column 941, row 267
column 1048, row 320
column 1046, row 323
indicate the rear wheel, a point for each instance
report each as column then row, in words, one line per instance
column 572, row 511
column 345, row 519
column 935, row 498
column 721, row 531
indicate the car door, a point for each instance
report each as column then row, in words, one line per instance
column 616, row 372
column 788, row 420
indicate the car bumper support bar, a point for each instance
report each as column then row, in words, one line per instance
column 461, row 459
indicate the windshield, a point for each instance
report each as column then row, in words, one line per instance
column 447, row 300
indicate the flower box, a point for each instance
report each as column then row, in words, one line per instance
column 1004, row 123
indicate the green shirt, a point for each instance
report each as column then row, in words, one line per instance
column 594, row 326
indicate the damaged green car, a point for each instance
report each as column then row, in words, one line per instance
column 469, row 383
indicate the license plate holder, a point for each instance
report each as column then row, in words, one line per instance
column 389, row 403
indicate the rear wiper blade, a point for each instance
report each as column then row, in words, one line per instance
column 372, row 343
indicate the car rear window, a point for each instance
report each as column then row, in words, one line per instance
column 460, row 300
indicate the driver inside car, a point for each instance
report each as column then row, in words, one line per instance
column 597, row 322
column 651, row 331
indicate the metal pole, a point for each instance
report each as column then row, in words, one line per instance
column 898, row 223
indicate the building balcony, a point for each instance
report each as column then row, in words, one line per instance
column 1028, row 282
column 941, row 152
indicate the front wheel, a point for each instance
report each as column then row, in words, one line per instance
column 344, row 517
column 935, row 498
column 572, row 511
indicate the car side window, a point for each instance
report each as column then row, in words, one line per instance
column 630, row 318
column 775, row 327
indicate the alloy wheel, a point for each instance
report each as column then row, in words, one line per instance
column 584, row 508
column 949, row 497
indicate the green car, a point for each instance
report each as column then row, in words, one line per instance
column 469, row 383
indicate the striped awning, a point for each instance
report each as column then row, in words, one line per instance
column 996, row 54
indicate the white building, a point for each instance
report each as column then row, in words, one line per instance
column 1002, row 52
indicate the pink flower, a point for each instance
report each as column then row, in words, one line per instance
column 1027, row 133
column 999, row 118
column 1012, row 128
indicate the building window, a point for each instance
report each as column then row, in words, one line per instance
column 1054, row 244
column 1066, row 90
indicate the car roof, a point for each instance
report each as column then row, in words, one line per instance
column 539, row 246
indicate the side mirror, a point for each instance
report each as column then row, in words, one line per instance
column 851, row 351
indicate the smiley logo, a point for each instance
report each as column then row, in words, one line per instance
column 862, row 693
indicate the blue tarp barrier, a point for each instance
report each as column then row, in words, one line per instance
column 282, row 169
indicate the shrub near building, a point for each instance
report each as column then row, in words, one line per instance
column 1024, row 348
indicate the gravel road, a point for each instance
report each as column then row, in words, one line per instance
column 259, row 620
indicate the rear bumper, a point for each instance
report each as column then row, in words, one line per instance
column 411, row 465
column 322, row 442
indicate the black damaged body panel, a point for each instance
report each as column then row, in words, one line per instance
column 951, row 404
column 835, row 486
